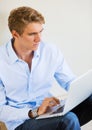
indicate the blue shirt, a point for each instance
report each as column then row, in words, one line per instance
column 22, row 89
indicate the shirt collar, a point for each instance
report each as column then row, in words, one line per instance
column 14, row 57
column 37, row 52
column 11, row 53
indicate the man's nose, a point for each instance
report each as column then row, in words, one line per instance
column 38, row 37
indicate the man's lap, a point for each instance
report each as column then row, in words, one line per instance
column 49, row 123
column 83, row 112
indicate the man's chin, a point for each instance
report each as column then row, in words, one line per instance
column 35, row 48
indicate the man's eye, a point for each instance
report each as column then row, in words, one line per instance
column 35, row 33
column 31, row 34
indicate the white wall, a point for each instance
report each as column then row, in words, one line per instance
column 68, row 24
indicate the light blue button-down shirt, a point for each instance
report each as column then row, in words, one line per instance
column 22, row 90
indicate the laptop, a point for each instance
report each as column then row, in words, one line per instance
column 80, row 89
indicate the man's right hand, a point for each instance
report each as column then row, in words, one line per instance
column 47, row 103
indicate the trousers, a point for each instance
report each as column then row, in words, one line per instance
column 73, row 120
column 66, row 122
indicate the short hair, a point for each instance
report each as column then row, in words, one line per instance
column 20, row 17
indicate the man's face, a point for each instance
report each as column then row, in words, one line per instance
column 31, row 37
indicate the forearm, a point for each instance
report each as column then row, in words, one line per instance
column 8, row 113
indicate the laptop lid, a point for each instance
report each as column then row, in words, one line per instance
column 80, row 89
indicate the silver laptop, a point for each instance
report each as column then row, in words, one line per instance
column 80, row 89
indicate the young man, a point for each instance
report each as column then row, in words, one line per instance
column 28, row 67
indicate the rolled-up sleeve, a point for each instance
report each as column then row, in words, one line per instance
column 10, row 113
column 63, row 74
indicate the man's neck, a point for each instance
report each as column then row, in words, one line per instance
column 22, row 53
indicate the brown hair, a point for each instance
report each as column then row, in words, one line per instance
column 20, row 17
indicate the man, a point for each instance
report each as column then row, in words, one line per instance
column 28, row 67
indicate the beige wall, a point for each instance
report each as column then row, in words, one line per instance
column 68, row 24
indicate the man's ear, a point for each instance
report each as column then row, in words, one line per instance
column 15, row 34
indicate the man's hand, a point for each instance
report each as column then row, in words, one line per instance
column 47, row 103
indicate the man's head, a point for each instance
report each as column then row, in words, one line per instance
column 20, row 17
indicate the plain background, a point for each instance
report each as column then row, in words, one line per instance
column 68, row 25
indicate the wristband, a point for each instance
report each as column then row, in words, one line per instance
column 33, row 113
